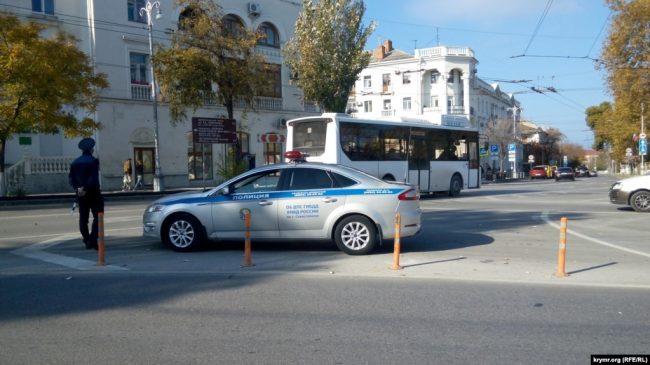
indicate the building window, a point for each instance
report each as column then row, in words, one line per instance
column 367, row 106
column 273, row 88
column 272, row 153
column 243, row 142
column 233, row 26
column 199, row 159
column 434, row 76
column 270, row 35
column 450, row 102
column 406, row 103
column 139, row 62
column 133, row 8
column 43, row 6
column 406, row 78
column 385, row 82
column 386, row 104
column 434, row 102
column 367, row 82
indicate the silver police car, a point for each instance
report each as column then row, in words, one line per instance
column 293, row 201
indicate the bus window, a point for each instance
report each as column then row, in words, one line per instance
column 394, row 140
column 309, row 136
column 360, row 142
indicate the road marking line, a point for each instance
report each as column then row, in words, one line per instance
column 545, row 218
column 50, row 235
column 35, row 251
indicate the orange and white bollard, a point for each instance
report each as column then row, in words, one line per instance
column 396, row 246
column 248, row 261
column 561, row 255
column 100, row 239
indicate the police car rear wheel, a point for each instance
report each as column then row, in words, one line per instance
column 356, row 235
column 182, row 233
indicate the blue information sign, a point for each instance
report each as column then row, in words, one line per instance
column 643, row 146
column 494, row 149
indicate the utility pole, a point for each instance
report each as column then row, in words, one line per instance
column 514, row 109
column 642, row 140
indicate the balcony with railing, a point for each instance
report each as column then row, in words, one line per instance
column 141, row 92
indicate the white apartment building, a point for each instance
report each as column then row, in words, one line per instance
column 437, row 84
column 115, row 37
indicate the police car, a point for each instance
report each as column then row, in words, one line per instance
column 292, row 201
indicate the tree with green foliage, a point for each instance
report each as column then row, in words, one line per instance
column 327, row 53
column 211, row 58
column 626, row 58
column 45, row 83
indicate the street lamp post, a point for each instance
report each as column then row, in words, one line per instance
column 157, row 176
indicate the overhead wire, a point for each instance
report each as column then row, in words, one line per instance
column 539, row 25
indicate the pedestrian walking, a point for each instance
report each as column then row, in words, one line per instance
column 126, row 181
column 139, row 171
column 84, row 178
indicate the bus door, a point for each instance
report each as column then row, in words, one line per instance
column 418, row 160
column 474, row 165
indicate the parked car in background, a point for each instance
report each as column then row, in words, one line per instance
column 593, row 173
column 582, row 171
column 564, row 173
column 538, row 172
column 633, row 191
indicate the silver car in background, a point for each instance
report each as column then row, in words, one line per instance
column 633, row 191
column 294, row 201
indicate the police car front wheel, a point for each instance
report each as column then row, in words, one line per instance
column 182, row 233
column 356, row 235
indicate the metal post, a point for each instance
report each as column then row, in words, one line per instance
column 396, row 245
column 158, row 184
column 643, row 135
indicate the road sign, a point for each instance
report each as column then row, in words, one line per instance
column 642, row 135
column 483, row 151
column 494, row 149
column 214, row 130
column 512, row 147
column 643, row 146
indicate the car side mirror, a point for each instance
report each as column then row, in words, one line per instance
column 224, row 191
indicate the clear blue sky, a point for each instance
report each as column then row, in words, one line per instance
column 497, row 30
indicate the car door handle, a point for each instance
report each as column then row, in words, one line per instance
column 329, row 200
column 264, row 202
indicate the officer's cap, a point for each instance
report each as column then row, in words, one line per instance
column 86, row 144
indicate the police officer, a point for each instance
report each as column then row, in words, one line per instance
column 84, row 178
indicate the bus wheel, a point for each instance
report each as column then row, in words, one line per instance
column 355, row 235
column 388, row 177
column 455, row 185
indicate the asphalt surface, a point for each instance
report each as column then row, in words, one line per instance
column 458, row 242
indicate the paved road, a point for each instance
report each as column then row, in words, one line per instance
column 502, row 232
column 477, row 287
column 85, row 318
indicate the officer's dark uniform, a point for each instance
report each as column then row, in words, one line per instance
column 84, row 178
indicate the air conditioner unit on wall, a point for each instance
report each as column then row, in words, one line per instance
column 282, row 123
column 254, row 9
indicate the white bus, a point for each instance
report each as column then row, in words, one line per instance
column 435, row 158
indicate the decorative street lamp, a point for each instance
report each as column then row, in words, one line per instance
column 157, row 176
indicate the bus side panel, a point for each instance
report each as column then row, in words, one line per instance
column 442, row 171
column 397, row 169
column 370, row 167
